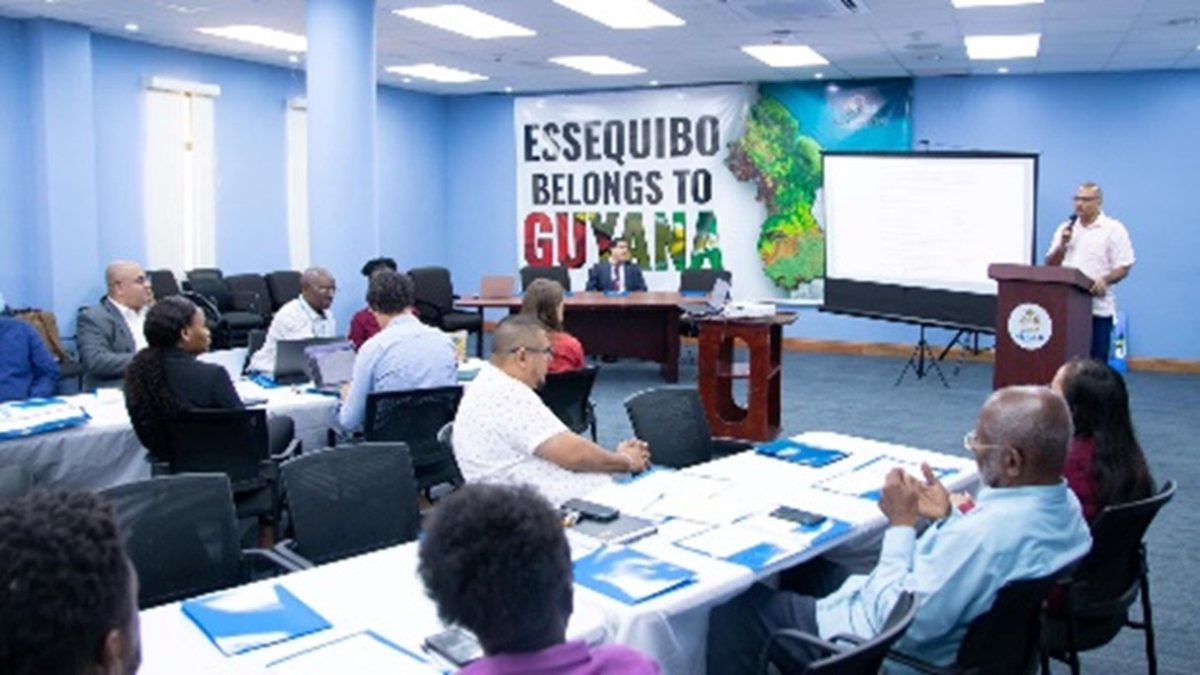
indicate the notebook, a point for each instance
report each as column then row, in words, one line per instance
column 620, row 531
column 717, row 299
column 496, row 288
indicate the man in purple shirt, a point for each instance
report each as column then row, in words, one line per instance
column 495, row 560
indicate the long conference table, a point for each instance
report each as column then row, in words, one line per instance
column 380, row 591
column 642, row 325
column 105, row 452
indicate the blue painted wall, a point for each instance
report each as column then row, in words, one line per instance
column 16, row 245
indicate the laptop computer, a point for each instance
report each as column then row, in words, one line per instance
column 717, row 299
column 496, row 288
column 331, row 366
column 291, row 363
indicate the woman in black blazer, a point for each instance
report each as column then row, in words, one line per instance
column 165, row 378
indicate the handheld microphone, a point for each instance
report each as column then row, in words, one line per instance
column 1071, row 223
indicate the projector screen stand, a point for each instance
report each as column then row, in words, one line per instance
column 923, row 361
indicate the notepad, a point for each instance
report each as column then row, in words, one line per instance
column 800, row 453
column 629, row 576
column 248, row 618
column 866, row 480
column 363, row 652
column 758, row 541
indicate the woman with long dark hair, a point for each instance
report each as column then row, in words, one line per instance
column 544, row 301
column 1105, row 464
column 165, row 378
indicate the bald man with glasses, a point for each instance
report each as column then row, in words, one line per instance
column 504, row 433
column 109, row 334
column 1026, row 524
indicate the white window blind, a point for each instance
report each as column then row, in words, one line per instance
column 179, row 163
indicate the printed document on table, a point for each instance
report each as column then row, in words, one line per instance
column 866, row 480
column 364, row 652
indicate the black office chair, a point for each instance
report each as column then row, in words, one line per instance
column 859, row 657
column 554, row 273
column 702, row 280
column 672, row 421
column 1100, row 592
column 348, row 500
column 232, row 442
column 435, row 304
column 415, row 418
column 283, row 287
column 254, row 287
column 568, row 394
column 163, row 283
column 204, row 274
column 1004, row 640
column 181, row 534
column 237, row 312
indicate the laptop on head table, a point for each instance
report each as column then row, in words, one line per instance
column 291, row 361
column 496, row 288
column 717, row 299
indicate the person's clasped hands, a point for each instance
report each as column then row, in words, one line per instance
column 905, row 498
column 637, row 453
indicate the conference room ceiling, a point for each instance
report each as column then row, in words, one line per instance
column 883, row 38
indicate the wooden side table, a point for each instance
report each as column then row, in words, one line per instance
column 760, row 419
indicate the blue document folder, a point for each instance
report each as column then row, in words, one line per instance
column 629, row 576
column 800, row 453
column 248, row 618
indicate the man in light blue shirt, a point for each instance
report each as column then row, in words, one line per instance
column 406, row 354
column 1025, row 524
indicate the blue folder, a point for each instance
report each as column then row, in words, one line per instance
column 629, row 576
column 248, row 618
column 800, row 453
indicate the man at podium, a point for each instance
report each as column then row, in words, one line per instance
column 1098, row 246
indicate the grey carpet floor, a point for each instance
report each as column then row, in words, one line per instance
column 858, row 395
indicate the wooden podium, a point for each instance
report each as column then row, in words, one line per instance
column 760, row 419
column 1043, row 319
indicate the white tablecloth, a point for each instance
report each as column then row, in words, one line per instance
column 672, row 628
column 105, row 451
column 379, row 591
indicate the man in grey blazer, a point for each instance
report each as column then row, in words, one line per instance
column 109, row 334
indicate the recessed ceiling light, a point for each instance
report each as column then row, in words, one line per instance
column 132, row 27
column 436, row 73
column 293, row 58
column 967, row 4
column 819, row 76
column 1002, row 70
column 598, row 65
column 985, row 47
column 407, row 80
column 466, row 21
column 508, row 90
column 624, row 14
column 653, row 83
column 261, row 36
column 786, row 56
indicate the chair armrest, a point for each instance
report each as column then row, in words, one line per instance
column 158, row 467
column 847, row 637
column 792, row 633
column 283, row 563
column 917, row 664
column 286, row 550
column 428, row 312
column 723, row 447
column 445, row 435
column 292, row 450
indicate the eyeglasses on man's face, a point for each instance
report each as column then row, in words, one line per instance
column 544, row 351
column 971, row 442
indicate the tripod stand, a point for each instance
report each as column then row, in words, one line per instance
column 923, row 360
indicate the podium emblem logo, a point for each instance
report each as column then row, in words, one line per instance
column 1029, row 326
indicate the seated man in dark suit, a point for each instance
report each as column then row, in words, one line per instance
column 109, row 334
column 27, row 370
column 69, row 590
column 618, row 273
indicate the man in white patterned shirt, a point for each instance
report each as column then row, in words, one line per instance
column 504, row 433
column 1099, row 247
column 307, row 316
